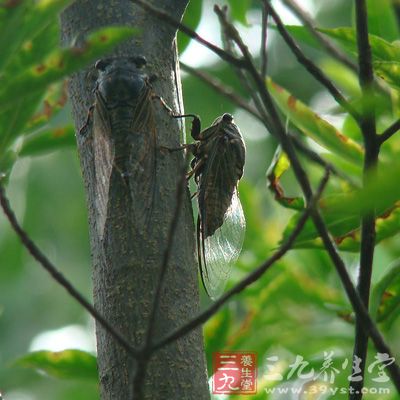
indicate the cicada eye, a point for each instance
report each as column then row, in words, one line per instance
column 227, row 117
column 140, row 61
column 101, row 64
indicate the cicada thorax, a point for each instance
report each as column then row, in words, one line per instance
column 124, row 132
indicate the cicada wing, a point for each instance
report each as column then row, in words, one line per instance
column 142, row 163
column 103, row 159
column 218, row 252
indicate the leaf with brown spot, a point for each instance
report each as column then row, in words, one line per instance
column 279, row 165
column 313, row 126
column 66, row 364
column 385, row 296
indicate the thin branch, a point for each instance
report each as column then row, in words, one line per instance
column 317, row 159
column 252, row 277
column 329, row 46
column 58, row 277
column 219, row 87
column 389, row 132
column 319, row 223
column 263, row 49
column 372, row 146
column 313, row 69
column 165, row 17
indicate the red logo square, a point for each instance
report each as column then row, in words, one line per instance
column 234, row 372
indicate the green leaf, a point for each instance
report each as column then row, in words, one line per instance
column 382, row 19
column 279, row 165
column 23, row 22
column 313, row 126
column 344, row 78
column 191, row 19
column 33, row 50
column 389, row 72
column 14, row 117
column 239, row 9
column 343, row 223
column 48, row 140
column 62, row 63
column 381, row 49
column 67, row 364
column 385, row 297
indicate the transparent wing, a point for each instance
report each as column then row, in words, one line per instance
column 218, row 252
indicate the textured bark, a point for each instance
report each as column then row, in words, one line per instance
column 127, row 258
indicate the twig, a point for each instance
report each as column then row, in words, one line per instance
column 58, row 277
column 317, row 159
column 389, row 132
column 319, row 223
column 329, row 46
column 165, row 17
column 263, row 50
column 315, row 71
column 219, row 87
column 372, row 146
column 252, row 277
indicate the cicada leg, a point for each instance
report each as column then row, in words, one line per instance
column 196, row 123
column 195, row 169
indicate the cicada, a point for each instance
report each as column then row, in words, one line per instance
column 124, row 136
column 217, row 166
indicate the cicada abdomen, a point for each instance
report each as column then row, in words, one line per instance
column 124, row 135
column 217, row 167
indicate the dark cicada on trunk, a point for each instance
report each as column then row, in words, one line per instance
column 123, row 132
column 219, row 157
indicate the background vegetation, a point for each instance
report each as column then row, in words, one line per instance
column 298, row 307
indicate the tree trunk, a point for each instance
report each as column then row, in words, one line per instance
column 127, row 257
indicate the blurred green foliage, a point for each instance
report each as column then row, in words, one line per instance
column 298, row 307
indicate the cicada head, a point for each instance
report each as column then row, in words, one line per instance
column 121, row 80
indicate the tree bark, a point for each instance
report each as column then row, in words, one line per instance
column 126, row 260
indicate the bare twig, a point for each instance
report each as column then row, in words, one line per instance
column 263, row 50
column 165, row 17
column 389, row 132
column 219, row 87
column 58, row 277
column 329, row 46
column 252, row 277
column 314, row 70
column 368, row 128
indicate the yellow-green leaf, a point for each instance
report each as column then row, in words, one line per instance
column 279, row 165
column 313, row 126
column 67, row 364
